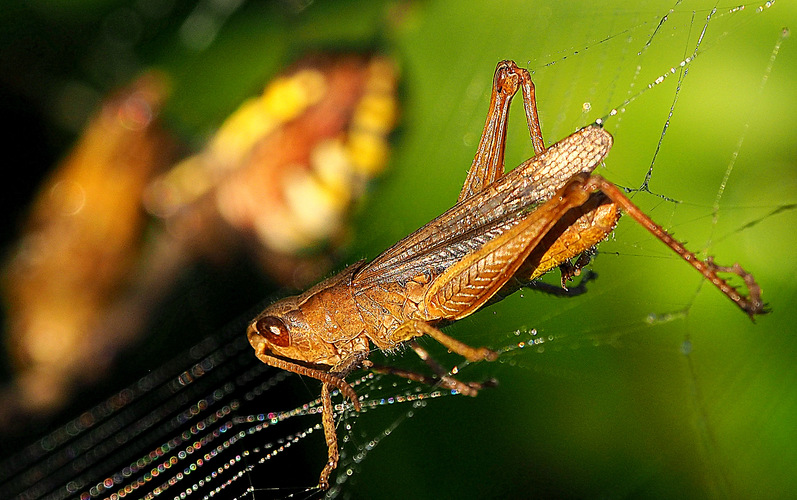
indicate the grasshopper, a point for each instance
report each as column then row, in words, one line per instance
column 504, row 231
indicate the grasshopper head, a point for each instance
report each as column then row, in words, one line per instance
column 282, row 330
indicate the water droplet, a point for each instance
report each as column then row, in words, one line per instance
column 686, row 347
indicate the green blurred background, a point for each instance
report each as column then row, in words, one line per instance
column 654, row 385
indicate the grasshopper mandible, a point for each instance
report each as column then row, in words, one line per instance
column 503, row 232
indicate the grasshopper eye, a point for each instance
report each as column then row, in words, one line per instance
column 274, row 330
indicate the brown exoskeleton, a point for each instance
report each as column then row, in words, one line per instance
column 504, row 231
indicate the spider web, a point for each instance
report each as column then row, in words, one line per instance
column 634, row 388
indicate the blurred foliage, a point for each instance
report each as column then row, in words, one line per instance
column 655, row 385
